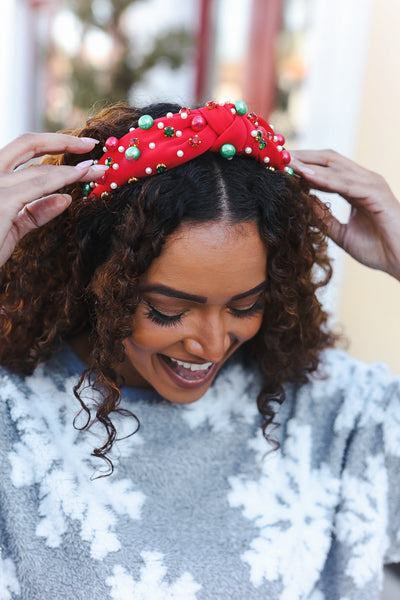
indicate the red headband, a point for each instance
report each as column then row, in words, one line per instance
column 161, row 144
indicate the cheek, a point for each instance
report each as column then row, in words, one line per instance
column 148, row 337
column 248, row 328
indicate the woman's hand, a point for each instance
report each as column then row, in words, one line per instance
column 26, row 198
column 372, row 233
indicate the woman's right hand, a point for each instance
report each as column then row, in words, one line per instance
column 27, row 198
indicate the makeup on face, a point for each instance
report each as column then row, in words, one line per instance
column 200, row 300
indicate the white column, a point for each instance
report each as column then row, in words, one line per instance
column 337, row 52
column 17, row 69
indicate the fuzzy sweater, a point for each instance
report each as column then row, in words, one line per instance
column 196, row 509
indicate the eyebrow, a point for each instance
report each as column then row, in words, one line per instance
column 172, row 293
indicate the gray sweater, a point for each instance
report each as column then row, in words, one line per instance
column 197, row 508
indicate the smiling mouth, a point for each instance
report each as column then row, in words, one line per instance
column 188, row 374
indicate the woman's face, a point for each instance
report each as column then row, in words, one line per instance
column 201, row 299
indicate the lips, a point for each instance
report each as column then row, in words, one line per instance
column 188, row 375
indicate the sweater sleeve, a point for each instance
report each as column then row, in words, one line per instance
column 369, row 515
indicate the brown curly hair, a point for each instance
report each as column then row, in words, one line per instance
column 80, row 272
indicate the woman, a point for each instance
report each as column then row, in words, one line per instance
column 186, row 301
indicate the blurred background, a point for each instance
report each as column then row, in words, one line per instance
column 324, row 73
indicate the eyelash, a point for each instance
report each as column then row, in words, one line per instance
column 169, row 321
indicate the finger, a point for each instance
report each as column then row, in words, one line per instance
column 29, row 173
column 32, row 145
column 43, row 185
column 353, row 184
column 324, row 158
column 40, row 212
column 335, row 229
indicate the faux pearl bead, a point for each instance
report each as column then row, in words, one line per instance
column 198, row 123
column 228, row 150
column 132, row 129
column 248, row 150
column 178, row 133
column 113, row 185
column 266, row 159
column 115, row 166
column 121, row 149
column 179, row 153
column 145, row 122
column 149, row 171
column 279, row 148
column 111, row 143
column 132, row 153
column 233, row 111
column 241, row 107
column 184, row 115
column 169, row 115
column 160, row 125
column 152, row 145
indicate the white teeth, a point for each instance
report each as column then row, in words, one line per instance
column 192, row 366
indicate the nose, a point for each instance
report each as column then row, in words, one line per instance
column 210, row 341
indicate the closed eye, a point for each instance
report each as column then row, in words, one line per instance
column 161, row 319
column 244, row 313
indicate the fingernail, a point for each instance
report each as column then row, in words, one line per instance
column 99, row 169
column 84, row 164
column 90, row 140
column 305, row 170
column 63, row 200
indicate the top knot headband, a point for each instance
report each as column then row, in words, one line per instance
column 160, row 144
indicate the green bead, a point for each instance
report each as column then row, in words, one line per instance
column 227, row 150
column 132, row 153
column 161, row 168
column 108, row 161
column 169, row 131
column 145, row 122
column 262, row 144
column 86, row 188
column 241, row 107
column 289, row 170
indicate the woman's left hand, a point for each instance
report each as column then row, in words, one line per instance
column 372, row 233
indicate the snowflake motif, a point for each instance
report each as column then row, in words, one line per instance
column 228, row 398
column 362, row 520
column 56, row 457
column 8, row 579
column 151, row 583
column 292, row 506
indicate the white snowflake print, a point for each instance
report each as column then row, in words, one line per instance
column 8, row 579
column 56, row 457
column 226, row 399
column 292, row 506
column 151, row 583
column 363, row 519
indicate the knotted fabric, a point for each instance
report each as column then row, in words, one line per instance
column 160, row 144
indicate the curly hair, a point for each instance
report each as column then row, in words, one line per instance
column 80, row 273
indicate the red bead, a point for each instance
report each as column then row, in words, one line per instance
column 186, row 110
column 112, row 143
column 263, row 131
column 211, row 104
column 194, row 141
column 134, row 141
column 286, row 157
column 252, row 117
column 198, row 123
column 280, row 140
